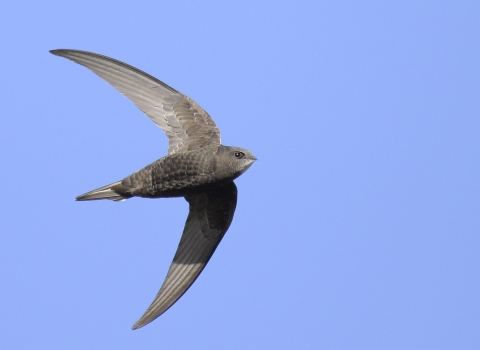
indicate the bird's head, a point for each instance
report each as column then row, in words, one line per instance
column 234, row 161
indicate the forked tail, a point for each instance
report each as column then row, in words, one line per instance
column 114, row 192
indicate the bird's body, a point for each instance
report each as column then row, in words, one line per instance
column 197, row 167
column 177, row 175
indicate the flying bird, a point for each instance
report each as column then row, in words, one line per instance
column 197, row 167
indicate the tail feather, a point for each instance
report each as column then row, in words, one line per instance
column 105, row 192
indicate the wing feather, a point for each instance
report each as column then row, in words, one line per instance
column 208, row 220
column 186, row 124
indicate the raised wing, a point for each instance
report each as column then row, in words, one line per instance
column 209, row 218
column 186, row 124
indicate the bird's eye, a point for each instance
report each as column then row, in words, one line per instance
column 239, row 155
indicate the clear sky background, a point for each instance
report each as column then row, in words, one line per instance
column 357, row 228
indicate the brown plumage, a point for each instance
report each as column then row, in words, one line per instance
column 197, row 167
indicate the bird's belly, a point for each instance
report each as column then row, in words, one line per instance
column 176, row 176
column 180, row 185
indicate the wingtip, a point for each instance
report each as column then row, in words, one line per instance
column 138, row 325
column 146, row 319
column 61, row 52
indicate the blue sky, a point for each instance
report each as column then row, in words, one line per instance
column 357, row 228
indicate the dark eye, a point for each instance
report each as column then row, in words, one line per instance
column 239, row 155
